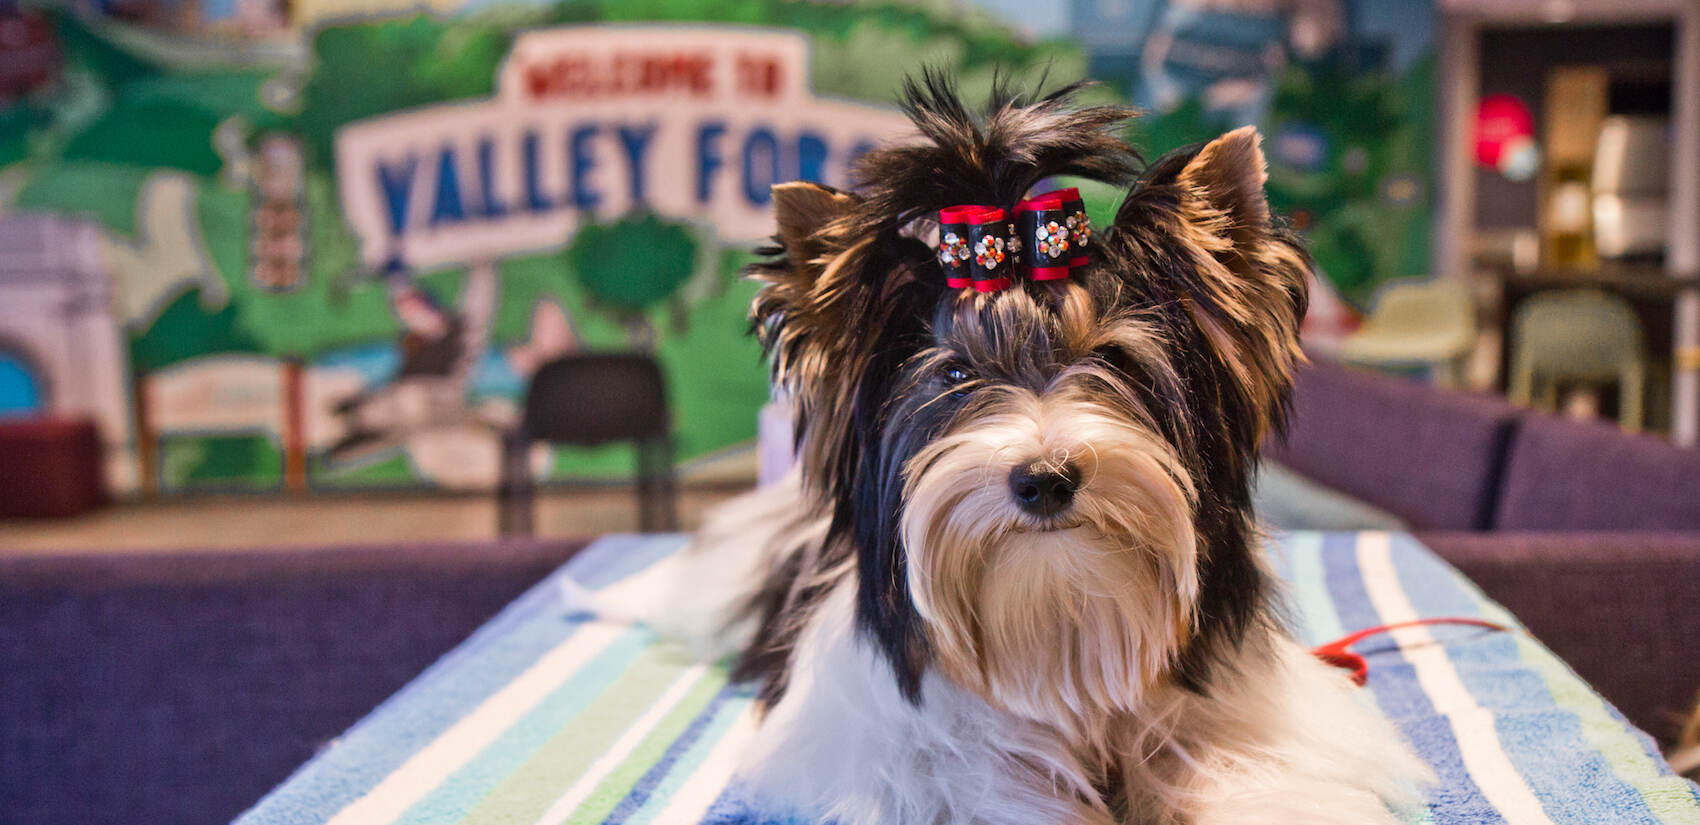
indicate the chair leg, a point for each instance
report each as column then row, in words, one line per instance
column 645, row 484
column 669, row 489
column 1445, row 373
column 1522, row 388
column 656, row 491
column 1549, row 395
column 516, row 492
column 1631, row 390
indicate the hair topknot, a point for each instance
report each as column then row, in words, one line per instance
column 991, row 157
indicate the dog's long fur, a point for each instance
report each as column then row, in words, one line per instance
column 929, row 652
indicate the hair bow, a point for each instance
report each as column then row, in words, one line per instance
column 980, row 246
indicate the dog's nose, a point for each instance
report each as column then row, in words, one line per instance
column 1044, row 489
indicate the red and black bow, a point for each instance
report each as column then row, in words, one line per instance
column 982, row 247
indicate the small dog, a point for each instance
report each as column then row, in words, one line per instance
column 1015, row 576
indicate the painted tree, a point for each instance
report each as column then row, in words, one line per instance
column 633, row 266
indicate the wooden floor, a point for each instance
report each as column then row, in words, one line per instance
column 228, row 522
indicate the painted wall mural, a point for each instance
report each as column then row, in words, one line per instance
column 327, row 243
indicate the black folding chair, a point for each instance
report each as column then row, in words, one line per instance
column 587, row 400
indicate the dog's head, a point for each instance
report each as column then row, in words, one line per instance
column 1046, row 487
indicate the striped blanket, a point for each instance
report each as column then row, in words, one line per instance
column 545, row 717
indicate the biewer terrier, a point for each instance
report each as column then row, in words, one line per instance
column 1015, row 577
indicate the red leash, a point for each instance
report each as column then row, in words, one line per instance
column 1336, row 654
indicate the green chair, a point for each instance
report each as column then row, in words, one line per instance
column 1578, row 335
column 1424, row 324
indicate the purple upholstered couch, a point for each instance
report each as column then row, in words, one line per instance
column 179, row 688
column 1589, row 535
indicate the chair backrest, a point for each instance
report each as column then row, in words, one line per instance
column 1576, row 332
column 1426, row 306
column 594, row 399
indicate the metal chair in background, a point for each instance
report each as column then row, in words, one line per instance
column 1429, row 324
column 589, row 400
column 1580, row 335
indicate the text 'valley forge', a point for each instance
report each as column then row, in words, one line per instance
column 593, row 122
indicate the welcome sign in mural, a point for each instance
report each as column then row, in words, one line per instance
column 592, row 122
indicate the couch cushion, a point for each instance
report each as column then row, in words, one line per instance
column 1583, row 475
column 1428, row 456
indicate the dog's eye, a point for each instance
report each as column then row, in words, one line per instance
column 957, row 377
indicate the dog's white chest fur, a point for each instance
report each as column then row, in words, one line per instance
column 845, row 745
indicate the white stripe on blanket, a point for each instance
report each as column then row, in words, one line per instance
column 1472, row 725
column 694, row 798
column 623, row 747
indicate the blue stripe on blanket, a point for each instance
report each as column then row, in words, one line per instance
column 723, row 711
column 1313, row 619
column 1393, row 681
column 1574, row 780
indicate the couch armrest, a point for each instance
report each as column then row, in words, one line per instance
column 1622, row 608
column 180, row 687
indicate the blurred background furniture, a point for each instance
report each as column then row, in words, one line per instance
column 1630, row 186
column 1417, row 324
column 1429, row 457
column 590, row 400
column 50, row 467
column 1578, row 335
column 1652, row 292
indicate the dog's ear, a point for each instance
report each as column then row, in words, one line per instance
column 802, row 209
column 1199, row 226
column 839, row 301
column 807, row 302
column 1226, row 178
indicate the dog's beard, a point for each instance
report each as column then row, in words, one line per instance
column 1067, row 619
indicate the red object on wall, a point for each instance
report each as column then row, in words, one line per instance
column 50, row 467
column 1501, row 121
column 29, row 53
